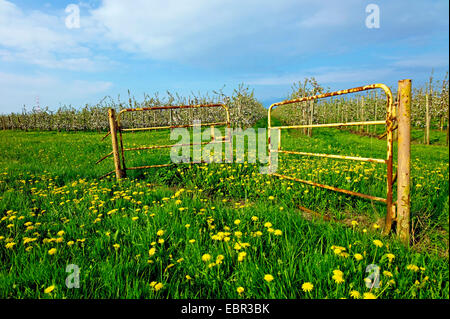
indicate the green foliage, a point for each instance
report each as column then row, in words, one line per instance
column 50, row 197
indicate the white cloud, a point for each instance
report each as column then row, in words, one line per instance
column 42, row 39
column 166, row 29
column 203, row 30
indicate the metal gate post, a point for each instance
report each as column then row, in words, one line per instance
column 404, row 160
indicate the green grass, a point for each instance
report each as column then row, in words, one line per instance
column 49, row 183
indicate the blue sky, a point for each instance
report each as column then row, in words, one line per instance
column 201, row 45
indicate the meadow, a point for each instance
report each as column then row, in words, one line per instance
column 215, row 230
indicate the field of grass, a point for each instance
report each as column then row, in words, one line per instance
column 217, row 230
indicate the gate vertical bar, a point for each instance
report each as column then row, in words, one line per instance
column 404, row 160
column 389, row 163
column 115, row 144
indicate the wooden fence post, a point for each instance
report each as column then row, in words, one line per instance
column 115, row 145
column 404, row 157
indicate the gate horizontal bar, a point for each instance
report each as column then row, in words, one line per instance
column 168, row 127
column 149, row 166
column 354, row 158
column 336, row 189
column 330, row 124
column 163, row 165
column 341, row 92
column 172, row 107
column 174, row 145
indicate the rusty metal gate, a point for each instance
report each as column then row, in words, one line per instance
column 388, row 161
column 118, row 151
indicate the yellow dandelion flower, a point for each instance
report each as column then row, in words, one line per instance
column 358, row 257
column 412, row 268
column 355, row 294
column 369, row 295
column 206, row 257
column 152, row 251
column 307, row 287
column 49, row 289
column 278, row 232
column 337, row 272
column 160, row 232
column 240, row 290
column 52, row 251
column 242, row 255
column 378, row 243
column 268, row 278
column 338, row 279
